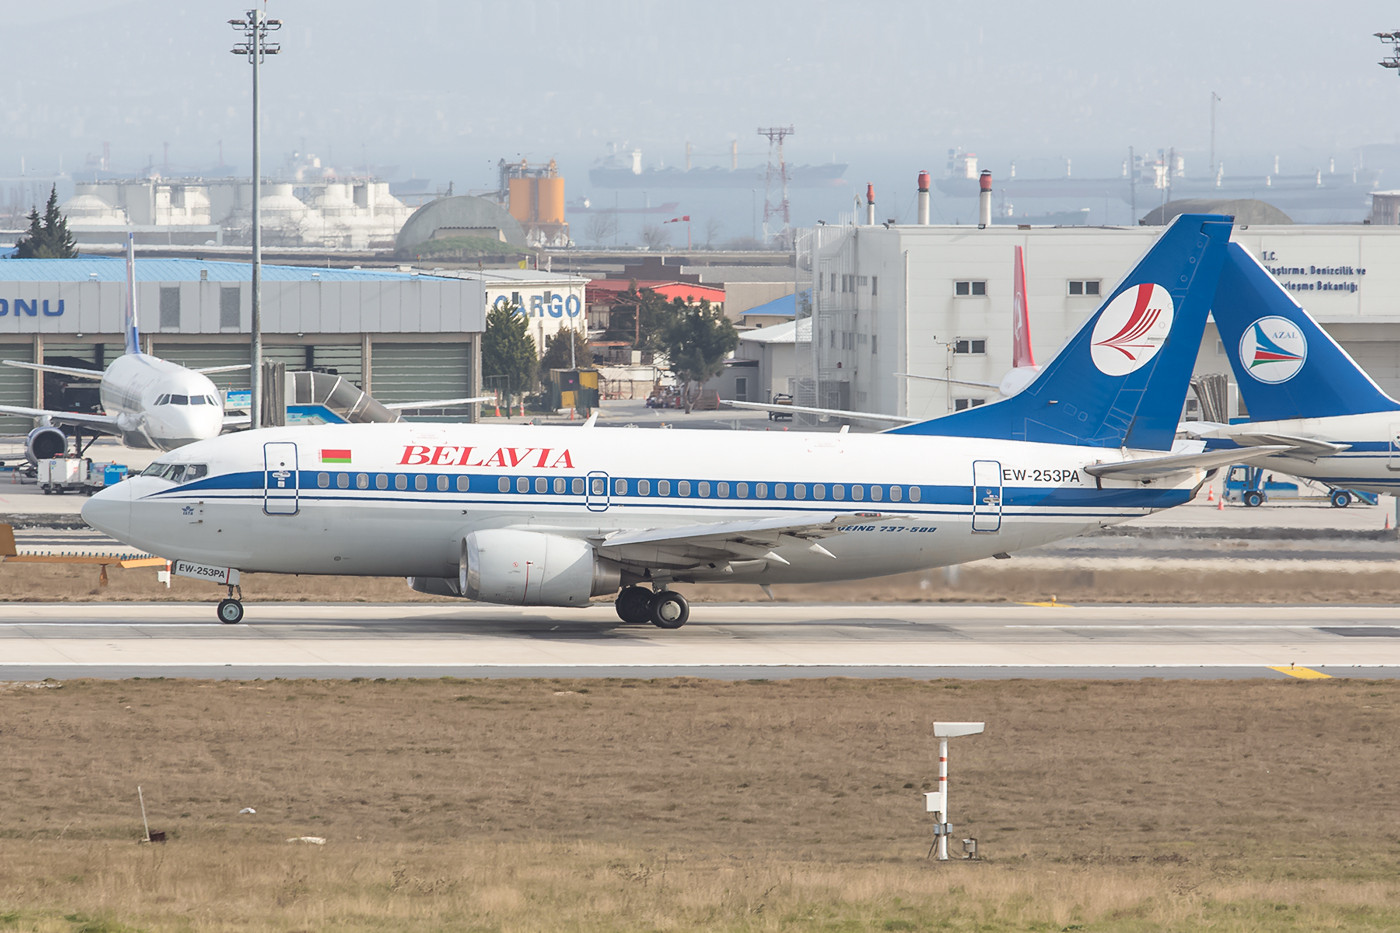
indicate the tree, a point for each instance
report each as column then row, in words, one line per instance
column 49, row 238
column 696, row 338
column 654, row 237
column 635, row 303
column 508, row 350
column 557, row 350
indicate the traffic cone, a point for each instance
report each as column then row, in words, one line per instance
column 1210, row 493
column 1220, row 504
column 1387, row 522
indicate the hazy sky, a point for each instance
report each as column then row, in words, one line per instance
column 442, row 88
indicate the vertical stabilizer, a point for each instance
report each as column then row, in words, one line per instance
column 133, row 338
column 1121, row 380
column 1286, row 365
column 1020, row 317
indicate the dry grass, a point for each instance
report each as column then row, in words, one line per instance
column 1231, row 582
column 690, row 804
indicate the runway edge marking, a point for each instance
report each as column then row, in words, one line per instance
column 1302, row 673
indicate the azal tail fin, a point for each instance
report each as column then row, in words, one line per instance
column 1021, row 355
column 1286, row 365
column 133, row 338
column 1121, row 380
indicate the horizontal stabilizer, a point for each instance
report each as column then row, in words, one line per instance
column 951, row 381
column 1155, row 468
column 63, row 370
column 829, row 412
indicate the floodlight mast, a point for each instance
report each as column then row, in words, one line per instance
column 1393, row 40
column 255, row 46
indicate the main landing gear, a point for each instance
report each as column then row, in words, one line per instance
column 664, row 608
column 231, row 609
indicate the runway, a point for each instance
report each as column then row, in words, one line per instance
column 723, row 640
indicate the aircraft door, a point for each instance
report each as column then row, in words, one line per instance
column 986, row 495
column 597, row 491
column 1393, row 461
column 280, row 478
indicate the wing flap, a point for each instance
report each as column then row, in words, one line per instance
column 742, row 540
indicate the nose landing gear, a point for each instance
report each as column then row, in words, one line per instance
column 231, row 609
column 664, row 609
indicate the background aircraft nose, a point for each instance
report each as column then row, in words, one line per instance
column 109, row 511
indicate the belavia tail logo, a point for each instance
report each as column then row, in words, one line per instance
column 1131, row 329
column 1273, row 349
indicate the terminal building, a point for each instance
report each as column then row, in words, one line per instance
column 399, row 335
column 936, row 301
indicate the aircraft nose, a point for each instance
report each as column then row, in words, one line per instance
column 109, row 511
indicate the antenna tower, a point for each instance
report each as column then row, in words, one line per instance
column 776, row 135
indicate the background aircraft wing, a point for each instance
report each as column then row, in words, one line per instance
column 234, row 367
column 1308, row 448
column 832, row 412
column 82, row 419
column 719, row 543
column 437, row 402
column 956, row 382
column 65, row 370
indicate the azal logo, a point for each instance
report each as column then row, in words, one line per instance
column 1273, row 350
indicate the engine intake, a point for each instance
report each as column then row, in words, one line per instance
column 44, row 443
column 531, row 568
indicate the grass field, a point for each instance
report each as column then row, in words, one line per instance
column 688, row 804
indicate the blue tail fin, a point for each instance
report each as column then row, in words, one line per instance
column 1286, row 365
column 133, row 339
column 1121, row 381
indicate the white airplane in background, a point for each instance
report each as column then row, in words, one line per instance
column 149, row 403
column 1303, row 391
column 552, row 516
column 154, row 404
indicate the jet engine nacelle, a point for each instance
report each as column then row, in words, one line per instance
column 44, row 443
column 531, row 568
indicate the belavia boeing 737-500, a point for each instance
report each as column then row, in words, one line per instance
column 553, row 516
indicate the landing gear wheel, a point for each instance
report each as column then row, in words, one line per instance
column 669, row 609
column 633, row 605
column 1340, row 498
column 230, row 611
column 1253, row 498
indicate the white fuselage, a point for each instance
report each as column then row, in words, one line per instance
column 159, row 404
column 398, row 499
column 1371, row 462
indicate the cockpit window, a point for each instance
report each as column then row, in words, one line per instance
column 177, row 472
column 164, row 399
column 179, row 399
column 197, row 400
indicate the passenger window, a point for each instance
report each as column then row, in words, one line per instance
column 643, row 487
column 857, row 493
column 522, row 484
column 420, row 482
column 818, row 491
column 663, row 487
column 463, row 484
column 743, row 490
column 877, row 493
column 381, row 481
column 799, row 491
column 442, row 483
column 503, row 484
column 561, row 485
column 914, row 494
column 838, row 492
column 683, row 487
column 323, row 480
column 541, row 484
column 342, row 480
column 621, row 487
column 705, row 488
column 577, row 486
column 896, row 493
column 362, row 481
column 400, row 481
column 780, row 490
column 723, row 489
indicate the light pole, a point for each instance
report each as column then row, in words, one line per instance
column 254, row 46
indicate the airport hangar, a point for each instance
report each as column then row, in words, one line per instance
column 936, row 301
column 401, row 335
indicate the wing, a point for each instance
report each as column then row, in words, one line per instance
column 1305, row 448
column 718, row 548
column 64, row 370
column 106, row 424
column 437, row 402
column 1154, row 468
column 832, row 412
column 224, row 369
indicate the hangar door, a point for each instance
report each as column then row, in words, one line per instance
column 16, row 386
column 403, row 372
